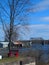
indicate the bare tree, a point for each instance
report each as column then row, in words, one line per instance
column 10, row 15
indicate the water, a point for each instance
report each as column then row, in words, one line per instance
column 36, row 47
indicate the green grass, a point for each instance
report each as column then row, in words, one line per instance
column 10, row 59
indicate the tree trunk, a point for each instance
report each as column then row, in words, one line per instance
column 11, row 24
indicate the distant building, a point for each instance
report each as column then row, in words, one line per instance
column 3, row 44
column 24, row 43
column 38, row 38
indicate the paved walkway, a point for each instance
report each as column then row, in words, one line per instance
column 33, row 63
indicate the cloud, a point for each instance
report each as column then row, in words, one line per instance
column 43, row 5
column 36, row 30
column 39, row 30
column 39, row 19
column 1, row 34
column 46, row 18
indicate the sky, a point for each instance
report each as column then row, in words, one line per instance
column 38, row 20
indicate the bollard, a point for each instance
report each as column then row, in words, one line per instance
column 20, row 62
column 0, row 56
column 10, row 54
column 17, row 54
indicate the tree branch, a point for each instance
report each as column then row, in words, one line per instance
column 4, row 9
column 21, row 9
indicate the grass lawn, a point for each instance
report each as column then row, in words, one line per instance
column 10, row 59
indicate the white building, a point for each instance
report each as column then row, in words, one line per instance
column 4, row 44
